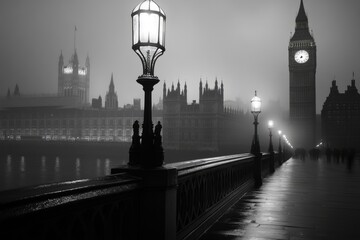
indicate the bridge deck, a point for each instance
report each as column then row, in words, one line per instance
column 303, row 199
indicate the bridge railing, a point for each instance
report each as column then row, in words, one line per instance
column 177, row 201
column 103, row 208
column 207, row 186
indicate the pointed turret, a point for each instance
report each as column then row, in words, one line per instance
column 61, row 63
column 351, row 89
column 185, row 91
column 178, row 86
column 302, row 28
column 111, row 86
column 216, row 84
column 334, row 88
column 222, row 88
column 200, row 88
column 301, row 17
column 61, row 59
column 16, row 91
column 111, row 100
column 164, row 91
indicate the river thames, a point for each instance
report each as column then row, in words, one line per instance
column 19, row 171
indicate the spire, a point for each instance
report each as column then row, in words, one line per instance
column 334, row 88
column 301, row 17
column 164, row 91
column 302, row 27
column 178, row 86
column 222, row 88
column 75, row 29
column 185, row 91
column 353, row 81
column 216, row 83
column 111, row 86
column 16, row 91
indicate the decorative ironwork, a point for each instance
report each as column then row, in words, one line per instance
column 202, row 186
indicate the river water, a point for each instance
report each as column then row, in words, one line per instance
column 20, row 171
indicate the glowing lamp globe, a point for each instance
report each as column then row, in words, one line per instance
column 270, row 124
column 279, row 132
column 255, row 105
column 148, row 34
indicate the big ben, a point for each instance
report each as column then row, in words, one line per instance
column 302, row 71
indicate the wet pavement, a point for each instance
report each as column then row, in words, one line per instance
column 303, row 199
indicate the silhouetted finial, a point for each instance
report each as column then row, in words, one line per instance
column 75, row 29
column 255, row 93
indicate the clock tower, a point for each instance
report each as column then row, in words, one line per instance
column 302, row 71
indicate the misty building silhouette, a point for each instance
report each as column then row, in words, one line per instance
column 340, row 117
column 205, row 125
column 73, row 79
column 302, row 71
column 111, row 99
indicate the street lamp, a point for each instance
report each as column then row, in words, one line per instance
column 255, row 110
column 148, row 41
column 270, row 125
column 280, row 148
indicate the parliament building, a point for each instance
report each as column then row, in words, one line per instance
column 204, row 125
column 340, row 117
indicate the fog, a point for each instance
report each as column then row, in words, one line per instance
column 241, row 42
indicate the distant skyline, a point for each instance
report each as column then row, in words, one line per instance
column 241, row 42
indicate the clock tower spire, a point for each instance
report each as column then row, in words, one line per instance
column 302, row 71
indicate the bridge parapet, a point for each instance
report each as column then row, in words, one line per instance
column 177, row 201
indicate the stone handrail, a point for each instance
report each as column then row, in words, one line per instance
column 103, row 208
column 176, row 201
column 206, row 187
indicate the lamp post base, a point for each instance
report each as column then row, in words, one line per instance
column 149, row 152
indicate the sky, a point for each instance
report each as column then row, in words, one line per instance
column 243, row 43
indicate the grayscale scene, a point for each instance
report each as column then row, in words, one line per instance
column 178, row 120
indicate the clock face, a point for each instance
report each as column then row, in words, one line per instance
column 301, row 56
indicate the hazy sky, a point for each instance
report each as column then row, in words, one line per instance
column 242, row 42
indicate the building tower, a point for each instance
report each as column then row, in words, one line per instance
column 73, row 79
column 111, row 100
column 302, row 70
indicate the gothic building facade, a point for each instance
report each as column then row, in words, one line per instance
column 302, row 71
column 340, row 117
column 205, row 125
column 74, row 79
column 111, row 99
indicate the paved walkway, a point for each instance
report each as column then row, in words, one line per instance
column 303, row 199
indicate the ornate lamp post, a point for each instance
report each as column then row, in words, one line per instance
column 148, row 41
column 271, row 148
column 255, row 145
column 255, row 110
column 270, row 125
column 280, row 148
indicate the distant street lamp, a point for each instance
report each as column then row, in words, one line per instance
column 148, row 41
column 270, row 125
column 255, row 110
column 271, row 148
column 280, row 148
